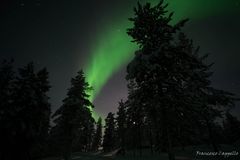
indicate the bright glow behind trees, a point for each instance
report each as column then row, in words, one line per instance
column 114, row 49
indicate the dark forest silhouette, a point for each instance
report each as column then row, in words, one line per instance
column 24, row 112
column 170, row 102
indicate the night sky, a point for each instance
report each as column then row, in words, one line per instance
column 66, row 36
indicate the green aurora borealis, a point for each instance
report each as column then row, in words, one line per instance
column 113, row 48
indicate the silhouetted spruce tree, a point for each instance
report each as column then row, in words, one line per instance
column 202, row 103
column 6, row 110
column 32, row 111
column 109, row 138
column 135, row 116
column 83, row 141
column 26, row 113
column 172, row 79
column 153, row 64
column 85, row 137
column 73, row 119
column 97, row 139
column 231, row 128
column 42, row 114
column 121, row 125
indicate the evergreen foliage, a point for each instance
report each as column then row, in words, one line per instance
column 97, row 140
column 109, row 138
column 170, row 81
column 25, row 112
column 74, row 121
column 231, row 128
column 121, row 125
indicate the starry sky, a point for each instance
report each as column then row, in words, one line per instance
column 68, row 35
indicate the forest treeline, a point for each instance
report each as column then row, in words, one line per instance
column 25, row 115
column 170, row 103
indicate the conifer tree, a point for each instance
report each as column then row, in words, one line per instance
column 97, row 140
column 172, row 80
column 32, row 108
column 109, row 138
column 6, row 130
column 25, row 112
column 73, row 119
column 121, row 125
column 231, row 128
column 152, row 64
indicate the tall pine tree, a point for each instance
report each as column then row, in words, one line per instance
column 27, row 114
column 6, row 109
column 32, row 110
column 109, row 138
column 121, row 125
column 97, row 140
column 232, row 128
column 171, row 79
column 74, row 119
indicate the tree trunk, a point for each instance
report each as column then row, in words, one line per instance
column 183, row 147
column 211, row 137
column 140, row 140
column 68, row 152
column 123, row 143
column 171, row 155
column 151, row 140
